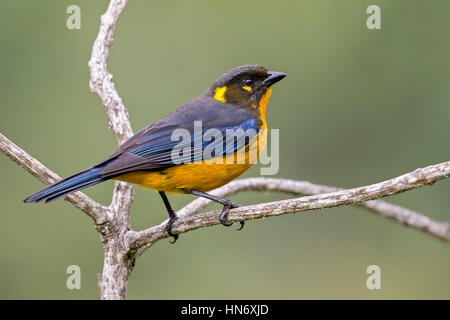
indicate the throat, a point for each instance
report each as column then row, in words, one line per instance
column 263, row 104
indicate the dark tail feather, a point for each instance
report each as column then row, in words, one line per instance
column 69, row 185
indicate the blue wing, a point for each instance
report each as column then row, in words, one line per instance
column 152, row 148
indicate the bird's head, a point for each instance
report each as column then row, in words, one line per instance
column 247, row 86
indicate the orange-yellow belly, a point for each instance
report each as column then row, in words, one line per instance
column 203, row 176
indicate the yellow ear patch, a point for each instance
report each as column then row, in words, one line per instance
column 246, row 88
column 219, row 94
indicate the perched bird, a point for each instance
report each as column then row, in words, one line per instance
column 236, row 101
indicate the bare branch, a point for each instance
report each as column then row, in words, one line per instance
column 93, row 209
column 420, row 177
column 405, row 216
column 117, row 265
column 101, row 79
column 101, row 83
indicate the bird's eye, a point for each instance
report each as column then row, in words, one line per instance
column 247, row 85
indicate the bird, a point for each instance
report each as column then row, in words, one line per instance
column 155, row 158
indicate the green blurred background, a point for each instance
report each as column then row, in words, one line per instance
column 358, row 107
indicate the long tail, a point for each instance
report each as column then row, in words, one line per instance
column 68, row 185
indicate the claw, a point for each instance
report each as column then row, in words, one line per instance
column 225, row 224
column 168, row 228
column 242, row 225
column 175, row 238
column 223, row 216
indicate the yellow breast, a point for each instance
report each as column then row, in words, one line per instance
column 203, row 176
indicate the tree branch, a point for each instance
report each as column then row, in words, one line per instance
column 117, row 265
column 101, row 83
column 92, row 208
column 418, row 178
column 402, row 215
column 101, row 79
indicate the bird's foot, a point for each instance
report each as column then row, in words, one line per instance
column 168, row 228
column 223, row 215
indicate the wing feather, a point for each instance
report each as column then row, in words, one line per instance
column 151, row 148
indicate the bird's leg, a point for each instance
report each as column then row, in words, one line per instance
column 227, row 205
column 172, row 217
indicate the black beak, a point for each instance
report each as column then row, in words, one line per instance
column 273, row 78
